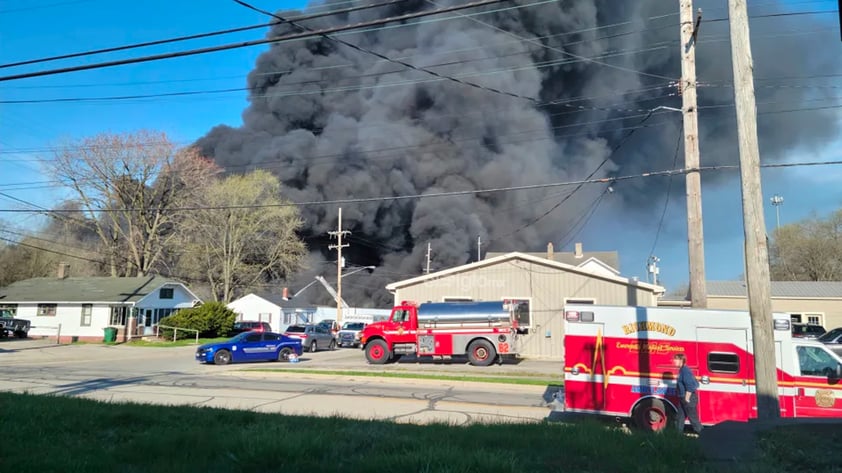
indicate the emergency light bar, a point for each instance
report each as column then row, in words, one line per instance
column 783, row 325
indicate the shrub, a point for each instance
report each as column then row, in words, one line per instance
column 213, row 319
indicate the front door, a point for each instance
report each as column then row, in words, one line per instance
column 723, row 369
column 252, row 346
column 148, row 319
column 402, row 321
column 818, row 388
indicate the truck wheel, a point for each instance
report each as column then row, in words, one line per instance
column 481, row 353
column 377, row 352
column 284, row 354
column 652, row 415
column 222, row 357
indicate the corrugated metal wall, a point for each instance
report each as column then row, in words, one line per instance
column 829, row 308
column 546, row 287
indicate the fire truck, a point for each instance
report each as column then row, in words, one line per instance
column 618, row 363
column 485, row 331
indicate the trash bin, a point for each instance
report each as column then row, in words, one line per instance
column 110, row 335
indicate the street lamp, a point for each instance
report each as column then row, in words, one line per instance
column 320, row 279
column 777, row 201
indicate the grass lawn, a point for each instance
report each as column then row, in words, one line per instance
column 63, row 434
column 177, row 343
column 500, row 379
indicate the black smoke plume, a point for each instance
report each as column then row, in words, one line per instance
column 336, row 123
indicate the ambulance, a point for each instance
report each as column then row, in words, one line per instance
column 618, row 363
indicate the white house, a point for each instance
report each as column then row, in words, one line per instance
column 280, row 313
column 83, row 307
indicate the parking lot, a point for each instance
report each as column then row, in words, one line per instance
column 172, row 376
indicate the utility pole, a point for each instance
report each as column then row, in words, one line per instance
column 754, row 227
column 339, row 233
column 429, row 250
column 695, row 235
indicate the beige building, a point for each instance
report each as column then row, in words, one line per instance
column 547, row 285
column 809, row 302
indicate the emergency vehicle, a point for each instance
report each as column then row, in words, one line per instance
column 485, row 331
column 618, row 362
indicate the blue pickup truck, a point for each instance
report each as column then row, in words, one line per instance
column 249, row 346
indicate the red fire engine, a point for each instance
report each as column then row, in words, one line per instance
column 618, row 362
column 485, row 331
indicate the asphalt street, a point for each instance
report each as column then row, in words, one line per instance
column 171, row 376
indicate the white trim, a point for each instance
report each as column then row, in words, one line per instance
column 158, row 288
column 523, row 257
column 601, row 263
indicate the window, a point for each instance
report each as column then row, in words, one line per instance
column 161, row 313
column 289, row 318
column 87, row 310
column 270, row 337
column 401, row 316
column 723, row 362
column 796, row 318
column 264, row 316
column 8, row 310
column 253, row 337
column 321, row 329
column 457, row 299
column 814, row 319
column 166, row 293
column 522, row 311
column 830, row 337
column 816, row 361
column 119, row 315
column 47, row 310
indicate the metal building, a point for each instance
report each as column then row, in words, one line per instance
column 544, row 283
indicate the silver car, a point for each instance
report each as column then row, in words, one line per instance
column 312, row 337
column 833, row 340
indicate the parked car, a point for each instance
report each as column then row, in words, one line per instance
column 249, row 346
column 833, row 340
column 350, row 334
column 807, row 331
column 331, row 325
column 312, row 336
column 250, row 326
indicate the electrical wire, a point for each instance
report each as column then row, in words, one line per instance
column 669, row 190
column 244, row 44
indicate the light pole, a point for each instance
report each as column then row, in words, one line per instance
column 777, row 201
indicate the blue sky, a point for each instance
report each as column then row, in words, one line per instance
column 35, row 29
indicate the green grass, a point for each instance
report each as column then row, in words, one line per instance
column 177, row 343
column 61, row 434
column 502, row 379
column 805, row 448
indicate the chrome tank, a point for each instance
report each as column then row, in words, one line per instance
column 485, row 314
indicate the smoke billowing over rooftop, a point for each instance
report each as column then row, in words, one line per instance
column 337, row 123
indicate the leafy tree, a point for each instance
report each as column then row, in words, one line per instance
column 809, row 250
column 242, row 235
column 212, row 319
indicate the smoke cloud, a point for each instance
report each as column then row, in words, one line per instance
column 336, row 123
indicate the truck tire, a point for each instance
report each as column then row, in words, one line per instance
column 222, row 357
column 653, row 415
column 481, row 352
column 377, row 352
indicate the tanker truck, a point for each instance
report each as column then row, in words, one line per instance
column 484, row 331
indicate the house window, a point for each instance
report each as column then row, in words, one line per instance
column 47, row 310
column 522, row 310
column 263, row 317
column 724, row 363
column 161, row 313
column 815, row 319
column 8, row 310
column 87, row 311
column 795, row 318
column 457, row 299
column 166, row 293
column 119, row 315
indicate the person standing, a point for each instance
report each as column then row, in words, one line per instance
column 688, row 396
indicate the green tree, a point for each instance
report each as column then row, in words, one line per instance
column 809, row 250
column 242, row 236
column 212, row 319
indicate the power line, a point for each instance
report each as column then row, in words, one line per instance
column 194, row 36
column 669, row 191
column 244, row 44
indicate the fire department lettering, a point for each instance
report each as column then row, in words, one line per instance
column 647, row 347
column 659, row 327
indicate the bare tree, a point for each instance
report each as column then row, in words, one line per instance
column 244, row 236
column 127, row 185
column 810, row 250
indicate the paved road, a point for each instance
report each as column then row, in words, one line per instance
column 170, row 376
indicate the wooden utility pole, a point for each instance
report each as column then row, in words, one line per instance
column 754, row 226
column 339, row 233
column 695, row 234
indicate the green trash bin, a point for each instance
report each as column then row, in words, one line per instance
column 110, row 335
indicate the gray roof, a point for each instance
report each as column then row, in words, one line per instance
column 828, row 289
column 91, row 289
column 611, row 258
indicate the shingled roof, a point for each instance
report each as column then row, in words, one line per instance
column 82, row 289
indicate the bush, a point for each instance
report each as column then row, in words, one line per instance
column 212, row 320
